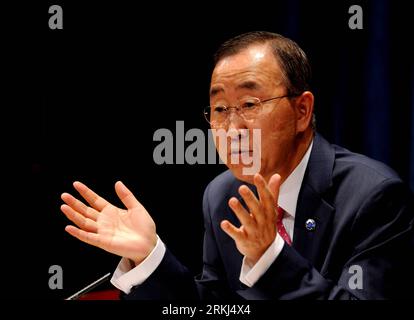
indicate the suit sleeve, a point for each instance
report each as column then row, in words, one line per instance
column 381, row 238
column 170, row 281
column 212, row 283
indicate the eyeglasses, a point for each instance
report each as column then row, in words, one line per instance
column 248, row 109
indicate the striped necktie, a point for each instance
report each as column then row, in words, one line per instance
column 281, row 228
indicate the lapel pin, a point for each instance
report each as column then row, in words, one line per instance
column 310, row 224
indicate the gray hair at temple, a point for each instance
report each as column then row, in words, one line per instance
column 295, row 67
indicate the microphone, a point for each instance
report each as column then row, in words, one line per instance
column 89, row 287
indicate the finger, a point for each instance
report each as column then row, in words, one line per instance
column 250, row 200
column 274, row 187
column 266, row 199
column 235, row 233
column 126, row 196
column 79, row 206
column 78, row 219
column 87, row 237
column 91, row 197
column 241, row 213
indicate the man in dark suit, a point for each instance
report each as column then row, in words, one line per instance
column 315, row 221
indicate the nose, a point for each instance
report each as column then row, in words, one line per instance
column 237, row 126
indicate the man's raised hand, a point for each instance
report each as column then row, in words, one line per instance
column 129, row 233
column 258, row 224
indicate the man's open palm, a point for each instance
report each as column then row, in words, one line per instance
column 128, row 233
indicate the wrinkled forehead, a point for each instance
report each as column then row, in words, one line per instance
column 253, row 64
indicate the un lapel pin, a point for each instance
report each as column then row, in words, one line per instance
column 310, row 225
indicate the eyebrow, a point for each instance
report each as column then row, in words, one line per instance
column 214, row 91
column 251, row 85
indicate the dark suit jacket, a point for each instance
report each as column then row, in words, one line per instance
column 364, row 217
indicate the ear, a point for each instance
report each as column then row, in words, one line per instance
column 304, row 111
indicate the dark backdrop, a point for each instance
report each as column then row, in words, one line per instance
column 117, row 72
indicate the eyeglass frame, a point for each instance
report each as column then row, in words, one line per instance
column 260, row 102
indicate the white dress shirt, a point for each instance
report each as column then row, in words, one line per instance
column 127, row 276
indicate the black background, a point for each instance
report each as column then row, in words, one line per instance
column 117, row 72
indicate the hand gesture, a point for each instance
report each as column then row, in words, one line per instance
column 258, row 225
column 129, row 233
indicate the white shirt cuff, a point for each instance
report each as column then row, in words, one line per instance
column 127, row 276
column 250, row 275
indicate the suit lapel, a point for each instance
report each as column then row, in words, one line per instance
column 312, row 244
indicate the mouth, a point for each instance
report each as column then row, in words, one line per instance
column 241, row 152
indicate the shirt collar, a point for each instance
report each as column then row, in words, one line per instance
column 289, row 190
